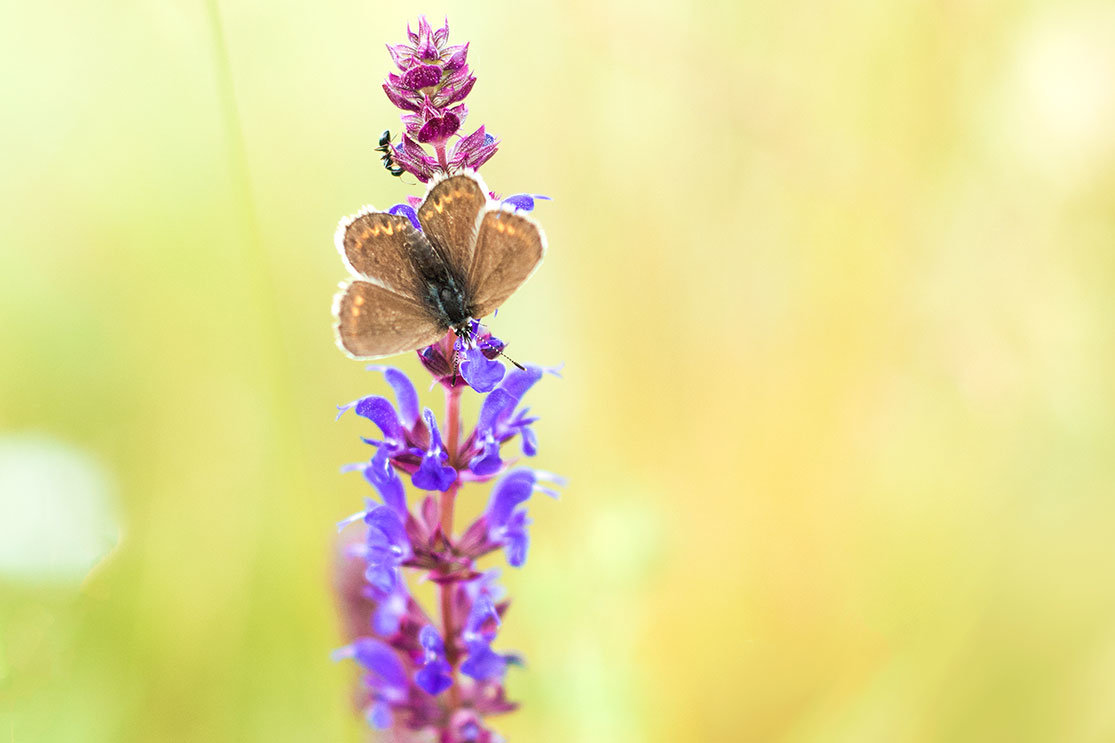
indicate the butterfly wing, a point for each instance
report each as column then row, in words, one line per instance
column 385, row 309
column 448, row 216
column 509, row 248
column 372, row 321
column 385, row 249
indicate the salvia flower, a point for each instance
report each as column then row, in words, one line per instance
column 445, row 675
column 433, row 677
column 438, row 675
column 386, row 679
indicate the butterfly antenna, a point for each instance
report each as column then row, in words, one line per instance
column 518, row 366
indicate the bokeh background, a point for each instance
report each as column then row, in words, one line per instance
column 833, row 284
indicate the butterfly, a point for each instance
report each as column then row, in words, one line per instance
column 411, row 286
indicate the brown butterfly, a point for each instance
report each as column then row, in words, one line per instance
column 412, row 286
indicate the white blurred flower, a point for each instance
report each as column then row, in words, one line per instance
column 58, row 514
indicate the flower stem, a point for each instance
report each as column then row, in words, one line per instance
column 453, row 437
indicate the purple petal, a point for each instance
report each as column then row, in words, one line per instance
column 524, row 201
column 389, row 614
column 481, row 373
column 381, row 660
column 435, row 434
column 430, row 640
column 500, row 402
column 387, row 533
column 529, row 441
column 407, row 211
column 516, row 539
column 483, row 619
column 381, row 578
column 515, row 488
column 483, row 663
column 405, row 394
column 433, row 678
column 497, row 405
column 432, row 475
column 382, row 476
column 380, row 411
column 379, row 716
column 519, row 381
column 488, row 461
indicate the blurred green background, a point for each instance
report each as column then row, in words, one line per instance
column 834, row 285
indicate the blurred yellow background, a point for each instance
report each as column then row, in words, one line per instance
column 834, row 285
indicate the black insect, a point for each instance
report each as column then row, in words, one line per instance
column 388, row 151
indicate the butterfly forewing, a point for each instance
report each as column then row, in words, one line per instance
column 448, row 217
column 387, row 250
column 509, row 248
column 373, row 321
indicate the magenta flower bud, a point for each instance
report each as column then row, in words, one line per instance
column 432, row 84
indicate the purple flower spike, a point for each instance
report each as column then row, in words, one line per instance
column 481, row 373
column 411, row 659
column 432, row 474
column 433, row 678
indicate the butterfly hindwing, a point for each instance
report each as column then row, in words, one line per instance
column 448, row 217
column 509, row 247
column 372, row 321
